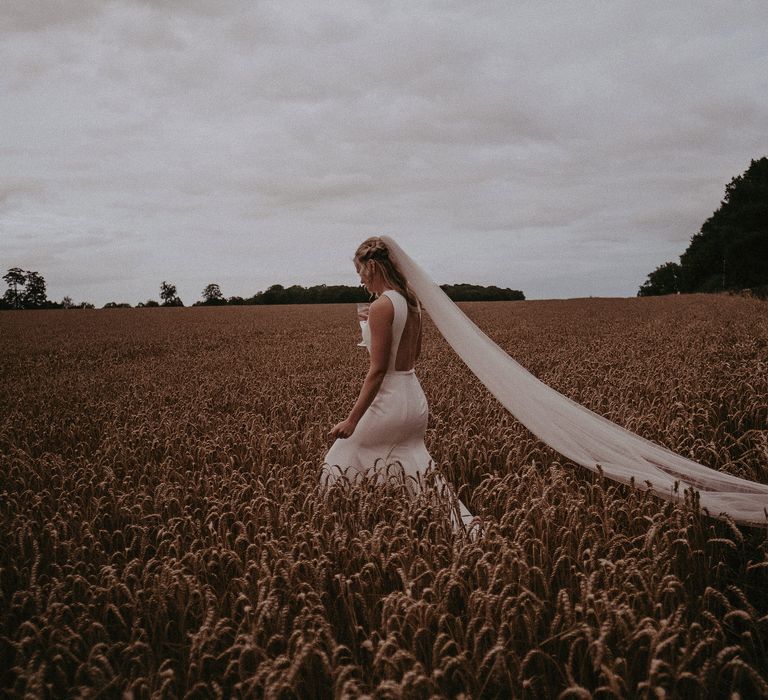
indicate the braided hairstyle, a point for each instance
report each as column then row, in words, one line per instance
column 376, row 250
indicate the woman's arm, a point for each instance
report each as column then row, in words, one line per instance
column 380, row 318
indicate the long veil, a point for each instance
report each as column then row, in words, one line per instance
column 573, row 430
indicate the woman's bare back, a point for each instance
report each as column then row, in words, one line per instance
column 410, row 341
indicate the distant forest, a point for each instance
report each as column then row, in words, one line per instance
column 27, row 290
column 334, row 294
column 730, row 252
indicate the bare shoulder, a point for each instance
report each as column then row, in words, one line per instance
column 381, row 309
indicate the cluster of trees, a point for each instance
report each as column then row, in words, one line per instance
column 474, row 292
column 27, row 291
column 730, row 252
column 167, row 294
column 336, row 294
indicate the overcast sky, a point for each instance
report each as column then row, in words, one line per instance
column 565, row 149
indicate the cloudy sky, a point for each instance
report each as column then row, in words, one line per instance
column 565, row 149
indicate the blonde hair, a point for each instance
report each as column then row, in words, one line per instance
column 374, row 249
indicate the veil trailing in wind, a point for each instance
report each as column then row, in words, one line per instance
column 573, row 430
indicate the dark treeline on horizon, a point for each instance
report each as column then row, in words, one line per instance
column 339, row 294
column 26, row 290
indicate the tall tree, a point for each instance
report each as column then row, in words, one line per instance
column 168, row 294
column 730, row 251
column 16, row 278
column 34, row 291
column 212, row 294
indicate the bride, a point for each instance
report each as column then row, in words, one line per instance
column 390, row 416
column 385, row 428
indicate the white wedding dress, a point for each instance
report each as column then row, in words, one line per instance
column 390, row 436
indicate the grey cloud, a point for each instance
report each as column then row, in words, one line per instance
column 230, row 138
column 20, row 16
column 15, row 193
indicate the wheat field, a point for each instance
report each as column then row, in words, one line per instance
column 163, row 534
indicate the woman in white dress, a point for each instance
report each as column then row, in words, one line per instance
column 385, row 428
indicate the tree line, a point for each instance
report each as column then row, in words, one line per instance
column 27, row 290
column 335, row 294
column 730, row 251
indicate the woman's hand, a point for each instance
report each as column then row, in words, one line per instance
column 343, row 429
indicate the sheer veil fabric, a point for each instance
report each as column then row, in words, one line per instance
column 573, row 430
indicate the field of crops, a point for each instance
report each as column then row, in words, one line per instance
column 163, row 534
